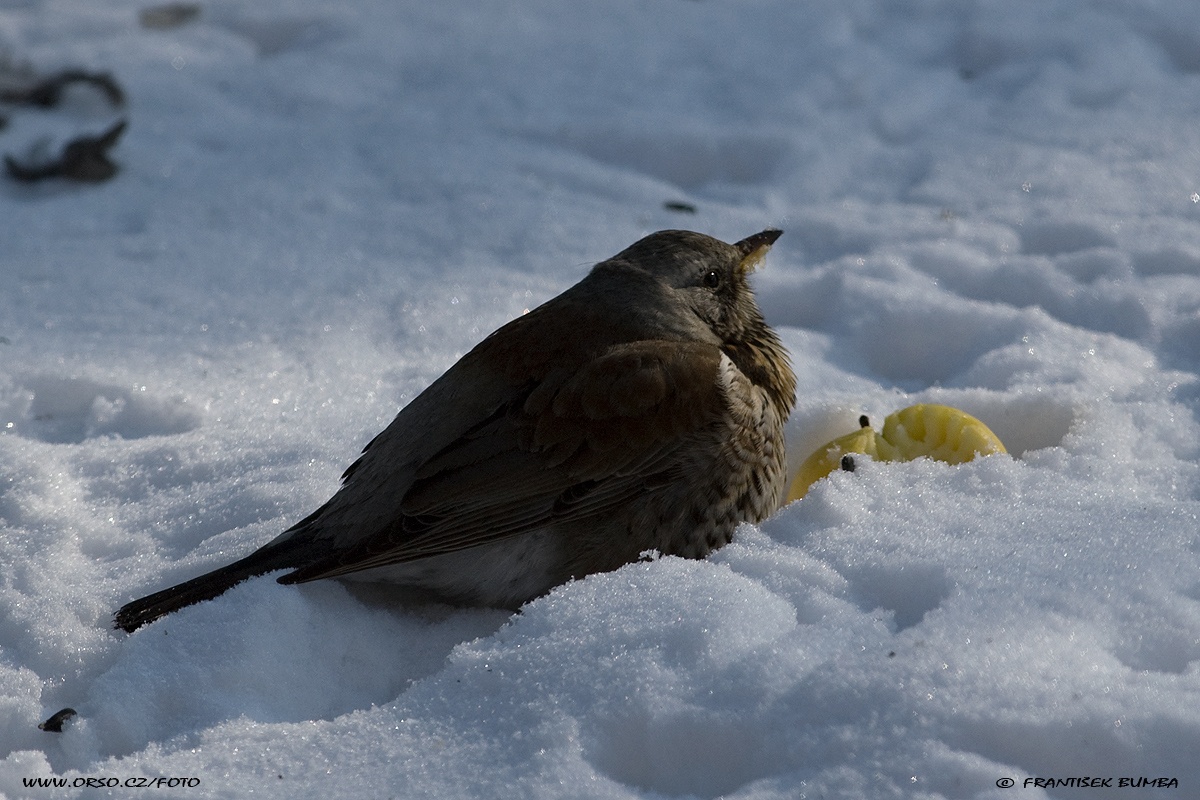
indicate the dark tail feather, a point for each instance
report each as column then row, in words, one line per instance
column 149, row 608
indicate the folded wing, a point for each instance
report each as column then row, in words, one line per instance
column 576, row 444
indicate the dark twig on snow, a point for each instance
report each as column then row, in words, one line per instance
column 47, row 92
column 55, row 723
column 84, row 159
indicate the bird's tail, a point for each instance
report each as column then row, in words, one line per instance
column 141, row 612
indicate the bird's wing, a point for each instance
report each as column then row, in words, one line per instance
column 573, row 445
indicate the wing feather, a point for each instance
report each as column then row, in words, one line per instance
column 575, row 445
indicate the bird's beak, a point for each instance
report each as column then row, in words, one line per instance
column 753, row 248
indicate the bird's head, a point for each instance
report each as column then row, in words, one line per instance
column 705, row 276
column 703, row 287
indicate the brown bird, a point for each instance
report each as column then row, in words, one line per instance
column 641, row 409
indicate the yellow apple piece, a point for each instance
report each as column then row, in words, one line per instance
column 926, row 429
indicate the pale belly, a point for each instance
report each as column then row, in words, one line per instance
column 504, row 574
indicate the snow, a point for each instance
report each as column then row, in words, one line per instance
column 991, row 205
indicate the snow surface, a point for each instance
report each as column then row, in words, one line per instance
column 990, row 204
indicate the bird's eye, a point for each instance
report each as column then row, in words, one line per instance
column 712, row 279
